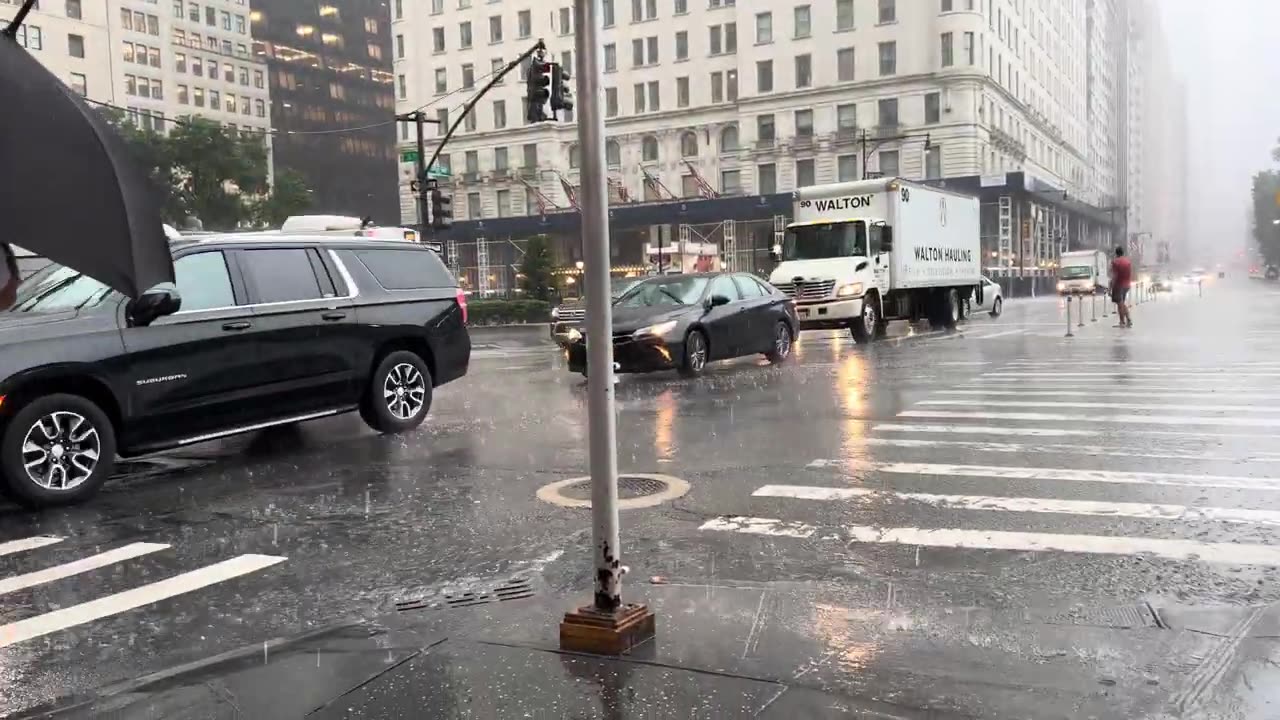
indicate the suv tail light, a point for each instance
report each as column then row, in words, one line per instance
column 462, row 303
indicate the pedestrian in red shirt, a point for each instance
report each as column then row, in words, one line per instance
column 1121, row 277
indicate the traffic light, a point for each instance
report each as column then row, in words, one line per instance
column 441, row 210
column 561, row 91
column 537, row 90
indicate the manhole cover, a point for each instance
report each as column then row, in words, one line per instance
column 635, row 490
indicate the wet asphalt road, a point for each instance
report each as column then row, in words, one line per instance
column 998, row 469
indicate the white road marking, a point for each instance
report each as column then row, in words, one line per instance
column 1122, row 373
column 111, row 557
column 1184, row 395
column 1147, row 511
column 999, row 334
column 1122, row 406
column 120, row 602
column 758, row 526
column 1059, row 417
column 982, row 446
column 986, row 429
column 999, row 430
column 966, row 362
column 31, row 543
column 1073, row 475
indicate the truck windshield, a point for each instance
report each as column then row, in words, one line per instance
column 1076, row 271
column 831, row 240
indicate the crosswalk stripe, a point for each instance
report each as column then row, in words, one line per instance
column 101, row 560
column 1123, row 406
column 103, row 607
column 996, row 335
column 1187, row 395
column 959, row 538
column 1136, row 363
column 998, row 447
column 759, row 526
column 1122, row 373
column 1060, row 417
column 985, row 430
column 1004, row 430
column 31, row 543
column 1146, row 511
column 1218, row 553
column 1074, row 475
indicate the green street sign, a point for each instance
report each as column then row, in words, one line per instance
column 409, row 156
column 439, row 172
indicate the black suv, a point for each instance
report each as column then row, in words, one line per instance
column 262, row 330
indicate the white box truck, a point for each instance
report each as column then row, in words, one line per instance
column 1083, row 272
column 858, row 254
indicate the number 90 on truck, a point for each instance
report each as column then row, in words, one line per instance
column 859, row 254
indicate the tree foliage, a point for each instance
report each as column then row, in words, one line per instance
column 208, row 172
column 535, row 269
column 1266, row 191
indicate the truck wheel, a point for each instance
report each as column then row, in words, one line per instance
column 962, row 307
column 867, row 326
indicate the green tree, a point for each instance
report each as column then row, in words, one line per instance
column 1266, row 191
column 535, row 268
column 289, row 196
column 217, row 171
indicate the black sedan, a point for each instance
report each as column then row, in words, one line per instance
column 682, row 322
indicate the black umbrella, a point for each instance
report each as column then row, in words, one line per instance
column 69, row 189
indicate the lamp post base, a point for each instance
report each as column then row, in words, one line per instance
column 589, row 630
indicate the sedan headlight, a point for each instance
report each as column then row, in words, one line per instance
column 555, row 313
column 850, row 290
column 658, row 330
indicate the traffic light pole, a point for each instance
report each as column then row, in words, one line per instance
column 421, row 175
column 607, row 626
column 466, row 109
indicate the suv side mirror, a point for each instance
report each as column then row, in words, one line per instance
column 716, row 301
column 155, row 303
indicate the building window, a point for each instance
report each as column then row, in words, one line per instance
column 259, row 79
column 804, row 123
column 846, row 168
column 804, row 71
column 469, row 122
column 803, row 22
column 682, row 7
column 888, row 11
column 731, row 182
column 606, row 10
column 183, row 95
column 403, row 86
column 888, row 113
column 30, row 37
column 473, row 206
column 766, row 132
column 947, row 6
column 682, row 91
column 649, row 149
column 933, row 162
column 399, row 47
column 889, row 163
column 638, row 97
column 471, row 163
column 731, row 85
column 495, row 29
column 524, row 24
column 637, row 52
column 611, row 102
column 682, row 45
column 717, row 87
column 888, row 58
column 844, row 14
column 504, row 203
column 644, row 10
column 804, row 173
column 468, row 76
column 244, row 77
column 74, row 11
column 464, row 35
column 500, row 161
column 612, row 153
column 79, row 84
column 260, row 108
column 844, row 65
column 688, row 144
column 241, row 26
column 651, row 45
column 197, row 97
column 437, row 40
column 764, row 76
column 442, row 81
column 724, row 39
column 566, row 21
column 764, row 28
column 932, row 108
column 766, row 179
column 75, row 46
column 729, row 140
column 654, row 97
column 968, row 48
column 846, row 117
column 211, row 16
column 611, row 57
column 499, row 114
column 948, row 49
column 529, row 155
column 399, row 9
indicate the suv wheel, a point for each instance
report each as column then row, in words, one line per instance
column 57, row 450
column 399, row 393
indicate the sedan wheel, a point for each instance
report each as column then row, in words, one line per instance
column 997, row 307
column 695, row 354
column 782, row 343
column 57, row 450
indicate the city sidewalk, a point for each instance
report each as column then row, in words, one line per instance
column 783, row 650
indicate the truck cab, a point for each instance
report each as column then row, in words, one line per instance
column 828, row 267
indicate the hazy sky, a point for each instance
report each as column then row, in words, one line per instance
column 1228, row 53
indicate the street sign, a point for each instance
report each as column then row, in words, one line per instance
column 439, row 172
column 409, row 156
